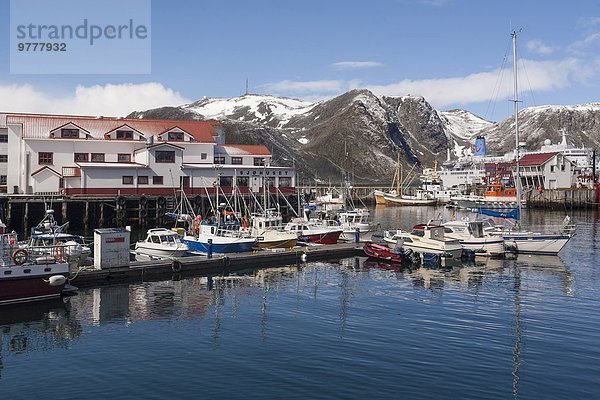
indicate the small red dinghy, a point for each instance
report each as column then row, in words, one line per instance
column 380, row 252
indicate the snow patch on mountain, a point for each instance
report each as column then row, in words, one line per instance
column 462, row 124
column 261, row 108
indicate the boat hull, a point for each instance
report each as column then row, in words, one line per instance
column 536, row 244
column 21, row 286
column 277, row 244
column 382, row 253
column 220, row 245
column 486, row 247
column 150, row 251
column 331, row 237
column 401, row 201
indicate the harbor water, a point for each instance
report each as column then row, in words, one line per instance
column 524, row 328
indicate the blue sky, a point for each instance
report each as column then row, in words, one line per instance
column 449, row 51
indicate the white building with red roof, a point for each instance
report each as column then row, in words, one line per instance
column 83, row 155
column 551, row 170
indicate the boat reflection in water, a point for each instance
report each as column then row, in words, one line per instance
column 37, row 326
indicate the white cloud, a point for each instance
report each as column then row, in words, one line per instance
column 538, row 47
column 480, row 87
column 581, row 46
column 107, row 100
column 286, row 87
column 350, row 65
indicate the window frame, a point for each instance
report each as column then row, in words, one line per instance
column 69, row 133
column 119, row 155
column 158, row 156
column 45, row 158
column 237, row 161
column 81, row 155
column 125, row 181
column 98, row 154
column 125, row 133
column 157, row 180
column 143, row 180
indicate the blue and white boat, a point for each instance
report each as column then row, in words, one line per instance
column 224, row 239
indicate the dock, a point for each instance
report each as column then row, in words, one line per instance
column 176, row 269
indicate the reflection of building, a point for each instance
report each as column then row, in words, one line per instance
column 54, row 154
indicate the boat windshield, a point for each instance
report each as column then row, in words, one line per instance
column 168, row 239
column 476, row 229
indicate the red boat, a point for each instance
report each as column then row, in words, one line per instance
column 314, row 232
column 28, row 273
column 382, row 252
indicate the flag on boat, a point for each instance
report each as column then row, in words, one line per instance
column 514, row 213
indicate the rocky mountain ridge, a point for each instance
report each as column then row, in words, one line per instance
column 361, row 135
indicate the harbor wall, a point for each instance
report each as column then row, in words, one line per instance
column 562, row 198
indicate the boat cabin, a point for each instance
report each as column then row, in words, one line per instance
column 162, row 236
column 434, row 232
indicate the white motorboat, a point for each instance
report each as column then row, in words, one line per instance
column 426, row 239
column 472, row 237
column 160, row 243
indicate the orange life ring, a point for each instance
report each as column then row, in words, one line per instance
column 58, row 251
column 20, row 256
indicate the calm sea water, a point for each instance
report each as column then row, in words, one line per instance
column 524, row 329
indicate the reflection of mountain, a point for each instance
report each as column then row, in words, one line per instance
column 38, row 326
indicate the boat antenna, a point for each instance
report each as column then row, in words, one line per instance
column 516, row 111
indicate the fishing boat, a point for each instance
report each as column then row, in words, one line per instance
column 31, row 273
column 426, row 239
column 160, row 243
column 48, row 233
column 220, row 235
column 473, row 237
column 521, row 240
column 421, row 198
column 269, row 232
column 356, row 220
column 315, row 232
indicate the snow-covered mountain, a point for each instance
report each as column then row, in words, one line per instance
column 363, row 134
column 269, row 110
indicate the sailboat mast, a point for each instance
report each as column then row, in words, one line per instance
column 516, row 107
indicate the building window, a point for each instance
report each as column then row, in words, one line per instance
column 259, row 161
column 165, row 156
column 142, row 180
column 243, row 181
column 562, row 167
column 175, row 136
column 552, row 168
column 157, row 180
column 285, row 181
column 80, row 157
column 3, row 158
column 125, row 135
column 124, row 158
column 236, row 160
column 220, row 160
column 3, row 138
column 45, row 158
column 127, row 180
column 203, row 156
column 2, row 179
column 184, row 182
column 69, row 133
column 97, row 157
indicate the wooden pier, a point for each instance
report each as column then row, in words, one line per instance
column 140, row 271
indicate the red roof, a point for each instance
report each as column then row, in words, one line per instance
column 39, row 126
column 536, row 159
column 243, row 149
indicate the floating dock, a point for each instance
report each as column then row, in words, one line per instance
column 140, row 271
